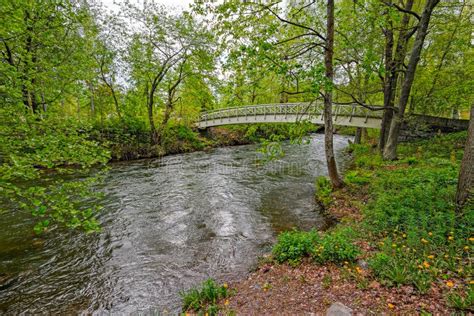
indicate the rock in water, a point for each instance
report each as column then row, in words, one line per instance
column 339, row 309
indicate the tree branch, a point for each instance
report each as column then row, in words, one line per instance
column 399, row 8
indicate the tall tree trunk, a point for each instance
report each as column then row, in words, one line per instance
column 466, row 174
column 358, row 136
column 91, row 91
column 150, row 104
column 390, row 151
column 328, row 126
column 393, row 66
column 387, row 87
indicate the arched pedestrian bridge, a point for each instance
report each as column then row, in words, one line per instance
column 343, row 115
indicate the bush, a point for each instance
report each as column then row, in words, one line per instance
column 204, row 298
column 180, row 138
column 293, row 246
column 336, row 247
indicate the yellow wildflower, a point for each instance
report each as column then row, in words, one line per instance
column 471, row 238
column 449, row 283
column 426, row 264
column 471, row 282
column 391, row 306
column 450, row 238
column 466, row 248
column 404, row 235
column 424, row 241
column 226, row 285
column 430, row 257
column 226, row 302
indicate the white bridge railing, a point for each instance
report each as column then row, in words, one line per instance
column 304, row 110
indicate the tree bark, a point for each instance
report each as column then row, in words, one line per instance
column 150, row 104
column 466, row 174
column 387, row 87
column 358, row 136
column 390, row 151
column 393, row 66
column 328, row 126
column 91, row 91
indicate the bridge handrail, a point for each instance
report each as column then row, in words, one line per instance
column 300, row 108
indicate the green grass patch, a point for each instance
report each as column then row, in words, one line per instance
column 204, row 299
column 420, row 238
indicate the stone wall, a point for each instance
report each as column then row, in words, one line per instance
column 424, row 126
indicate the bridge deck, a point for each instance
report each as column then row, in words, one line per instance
column 343, row 115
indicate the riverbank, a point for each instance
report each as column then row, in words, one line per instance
column 127, row 144
column 400, row 246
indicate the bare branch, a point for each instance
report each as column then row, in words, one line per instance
column 399, row 8
column 268, row 7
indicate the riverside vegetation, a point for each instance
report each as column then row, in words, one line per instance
column 409, row 232
column 79, row 88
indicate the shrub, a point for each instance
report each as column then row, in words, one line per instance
column 336, row 247
column 293, row 246
column 204, row 298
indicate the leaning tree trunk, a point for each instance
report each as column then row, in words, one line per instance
column 328, row 127
column 466, row 174
column 390, row 151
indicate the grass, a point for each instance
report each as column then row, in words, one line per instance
column 415, row 234
column 204, row 299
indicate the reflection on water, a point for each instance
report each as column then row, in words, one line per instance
column 168, row 224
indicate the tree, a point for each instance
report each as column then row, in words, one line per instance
column 328, row 126
column 390, row 150
column 161, row 43
column 394, row 64
column 466, row 175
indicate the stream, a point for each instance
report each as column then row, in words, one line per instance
column 167, row 225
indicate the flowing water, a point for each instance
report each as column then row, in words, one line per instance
column 167, row 225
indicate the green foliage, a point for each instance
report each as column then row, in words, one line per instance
column 323, row 190
column 39, row 155
column 336, row 247
column 292, row 246
column 358, row 177
column 180, row 138
column 412, row 217
column 463, row 302
column 204, row 299
column 271, row 148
